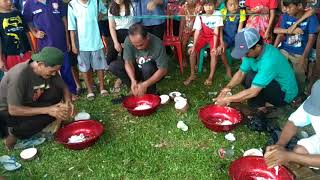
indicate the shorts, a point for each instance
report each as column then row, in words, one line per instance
column 12, row 60
column 91, row 59
column 312, row 144
column 202, row 42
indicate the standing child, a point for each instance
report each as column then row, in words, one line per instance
column 83, row 19
column 48, row 23
column 206, row 32
column 14, row 46
column 263, row 16
column 187, row 13
column 296, row 46
column 234, row 19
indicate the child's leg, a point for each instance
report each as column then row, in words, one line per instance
column 213, row 64
column 101, row 79
column 99, row 64
column 84, row 58
column 185, row 40
column 224, row 60
column 193, row 59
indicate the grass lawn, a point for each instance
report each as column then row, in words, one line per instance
column 145, row 148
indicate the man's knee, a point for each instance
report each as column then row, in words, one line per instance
column 300, row 150
column 148, row 69
column 116, row 67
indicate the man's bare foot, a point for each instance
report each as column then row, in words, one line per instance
column 9, row 142
column 189, row 80
column 208, row 82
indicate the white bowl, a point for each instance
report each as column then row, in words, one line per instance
column 179, row 98
column 253, row 152
column 28, row 154
column 82, row 116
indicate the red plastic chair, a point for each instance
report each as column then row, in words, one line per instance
column 169, row 39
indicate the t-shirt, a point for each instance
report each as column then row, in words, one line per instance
column 22, row 87
column 212, row 22
column 272, row 65
column 301, row 118
column 271, row 4
column 48, row 18
column 296, row 44
column 13, row 35
column 123, row 22
column 154, row 52
column 83, row 18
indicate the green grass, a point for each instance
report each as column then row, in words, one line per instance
column 145, row 148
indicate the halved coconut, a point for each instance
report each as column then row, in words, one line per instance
column 253, row 152
column 28, row 154
column 82, row 116
column 174, row 94
column 179, row 98
column 164, row 99
column 181, row 106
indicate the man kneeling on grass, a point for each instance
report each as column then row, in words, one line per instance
column 145, row 61
column 31, row 95
column 307, row 152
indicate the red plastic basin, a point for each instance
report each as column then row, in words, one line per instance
column 131, row 102
column 253, row 167
column 212, row 116
column 91, row 129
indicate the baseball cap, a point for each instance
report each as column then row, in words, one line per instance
column 50, row 55
column 312, row 104
column 244, row 40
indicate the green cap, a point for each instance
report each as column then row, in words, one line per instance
column 49, row 55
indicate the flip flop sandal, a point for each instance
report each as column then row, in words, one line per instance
column 27, row 143
column 104, row 93
column 9, row 163
column 90, row 96
column 207, row 83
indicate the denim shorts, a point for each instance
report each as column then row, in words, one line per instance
column 91, row 59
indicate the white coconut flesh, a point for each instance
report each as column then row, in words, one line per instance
column 224, row 122
column 164, row 98
column 180, row 104
column 179, row 98
column 253, row 152
column 142, row 107
column 28, row 153
column 175, row 94
column 82, row 116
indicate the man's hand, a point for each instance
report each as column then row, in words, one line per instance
column 297, row 31
column 276, row 155
column 75, row 50
column 59, row 111
column 118, row 47
column 134, row 87
column 151, row 5
column 141, row 89
column 2, row 66
column 222, row 101
column 224, row 92
column 39, row 34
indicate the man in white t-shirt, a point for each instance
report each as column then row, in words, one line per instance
column 307, row 152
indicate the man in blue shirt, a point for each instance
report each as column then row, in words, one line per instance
column 146, row 10
column 265, row 73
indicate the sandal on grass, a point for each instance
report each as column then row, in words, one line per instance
column 90, row 96
column 208, row 82
column 104, row 93
column 189, row 80
column 9, row 163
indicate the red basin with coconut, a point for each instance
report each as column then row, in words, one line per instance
column 150, row 100
column 254, row 167
column 219, row 118
column 91, row 129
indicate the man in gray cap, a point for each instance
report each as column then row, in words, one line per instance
column 307, row 152
column 31, row 95
column 265, row 73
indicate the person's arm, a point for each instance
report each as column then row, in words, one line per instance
column 240, row 26
column 306, row 15
column 270, row 24
column 216, row 35
column 239, row 97
column 157, row 76
column 237, row 78
column 129, row 67
column 27, row 111
column 113, row 33
column 287, row 133
column 278, row 40
column 304, row 159
column 73, row 42
column 65, row 23
column 310, row 43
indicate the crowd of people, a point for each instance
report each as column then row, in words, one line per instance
column 47, row 44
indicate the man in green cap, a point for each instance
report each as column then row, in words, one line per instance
column 32, row 96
